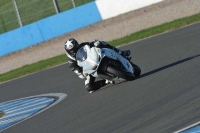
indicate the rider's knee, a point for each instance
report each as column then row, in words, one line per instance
column 88, row 87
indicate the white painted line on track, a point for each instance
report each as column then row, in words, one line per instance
column 22, row 111
column 186, row 128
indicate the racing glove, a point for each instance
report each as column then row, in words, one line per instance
column 80, row 75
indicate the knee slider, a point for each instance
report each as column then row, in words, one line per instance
column 88, row 87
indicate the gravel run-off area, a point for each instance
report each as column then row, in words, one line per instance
column 106, row 30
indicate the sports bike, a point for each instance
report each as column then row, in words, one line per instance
column 106, row 64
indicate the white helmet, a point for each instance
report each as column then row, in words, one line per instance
column 71, row 46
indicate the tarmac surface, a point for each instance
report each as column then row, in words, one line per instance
column 163, row 100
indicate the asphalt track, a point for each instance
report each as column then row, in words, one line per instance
column 166, row 97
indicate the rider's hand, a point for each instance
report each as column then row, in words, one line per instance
column 97, row 43
column 85, row 74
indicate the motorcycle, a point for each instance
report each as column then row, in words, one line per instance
column 106, row 64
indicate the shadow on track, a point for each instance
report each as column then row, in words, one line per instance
column 167, row 66
column 152, row 72
column 109, row 85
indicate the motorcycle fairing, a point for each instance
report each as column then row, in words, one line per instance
column 89, row 59
column 91, row 62
column 114, row 55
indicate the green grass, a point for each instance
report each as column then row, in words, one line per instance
column 27, row 69
column 133, row 37
column 33, row 10
column 81, row 2
column 8, row 18
column 65, row 5
column 157, row 29
column 30, row 11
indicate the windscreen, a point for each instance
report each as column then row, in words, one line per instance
column 81, row 55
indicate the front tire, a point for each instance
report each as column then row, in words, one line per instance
column 137, row 70
column 117, row 72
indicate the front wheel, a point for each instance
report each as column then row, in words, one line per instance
column 137, row 70
column 118, row 72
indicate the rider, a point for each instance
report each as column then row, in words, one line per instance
column 72, row 46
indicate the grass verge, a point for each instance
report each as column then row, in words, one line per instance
column 41, row 65
column 27, row 69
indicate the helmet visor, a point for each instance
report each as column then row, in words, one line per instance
column 73, row 50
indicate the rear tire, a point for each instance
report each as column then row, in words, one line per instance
column 117, row 72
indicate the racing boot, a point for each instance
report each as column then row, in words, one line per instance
column 103, row 44
column 125, row 53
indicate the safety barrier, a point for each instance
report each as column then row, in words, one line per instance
column 66, row 22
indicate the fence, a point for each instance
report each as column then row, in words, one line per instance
column 17, row 13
